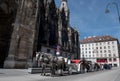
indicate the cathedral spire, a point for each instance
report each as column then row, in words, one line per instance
column 64, row 6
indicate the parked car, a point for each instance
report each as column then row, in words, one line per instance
column 107, row 66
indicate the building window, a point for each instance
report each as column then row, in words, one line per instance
column 63, row 4
column 104, row 51
column 109, row 51
column 114, row 59
column 89, row 44
column 89, row 55
column 114, row 55
column 104, row 47
column 96, row 44
column 112, row 42
column 96, row 51
column 105, row 55
column 113, row 47
column 110, row 59
column 109, row 55
column 89, row 51
column 92, row 44
column 83, row 55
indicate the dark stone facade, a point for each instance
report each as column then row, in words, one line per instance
column 36, row 25
column 7, row 16
column 22, row 40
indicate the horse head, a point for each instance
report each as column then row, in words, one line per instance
column 37, row 56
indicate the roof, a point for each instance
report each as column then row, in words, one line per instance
column 97, row 39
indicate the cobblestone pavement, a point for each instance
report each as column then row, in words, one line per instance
column 20, row 75
column 23, row 75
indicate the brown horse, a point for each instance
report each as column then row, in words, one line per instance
column 85, row 66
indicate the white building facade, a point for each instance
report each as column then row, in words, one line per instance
column 102, row 49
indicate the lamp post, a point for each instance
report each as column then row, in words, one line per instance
column 113, row 3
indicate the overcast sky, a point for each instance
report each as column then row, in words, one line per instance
column 89, row 17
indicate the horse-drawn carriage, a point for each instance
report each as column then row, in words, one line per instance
column 56, row 65
column 82, row 66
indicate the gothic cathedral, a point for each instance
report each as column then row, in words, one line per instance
column 29, row 26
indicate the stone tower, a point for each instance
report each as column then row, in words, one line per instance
column 64, row 26
column 48, row 27
column 22, row 41
column 64, row 6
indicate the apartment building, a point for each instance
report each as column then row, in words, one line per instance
column 100, row 49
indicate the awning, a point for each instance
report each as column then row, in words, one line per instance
column 102, row 60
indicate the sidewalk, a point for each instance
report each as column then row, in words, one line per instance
column 20, row 75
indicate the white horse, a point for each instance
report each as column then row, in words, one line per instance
column 38, row 58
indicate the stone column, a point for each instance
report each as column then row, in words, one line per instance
column 59, row 30
column 22, row 41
